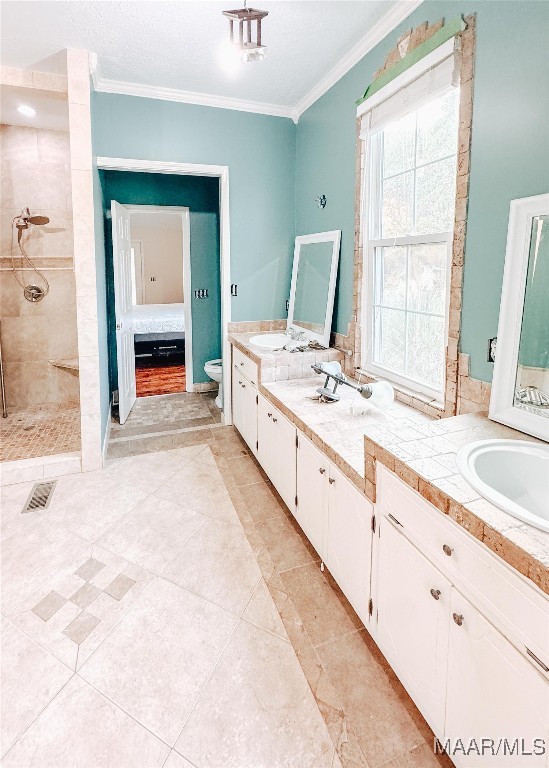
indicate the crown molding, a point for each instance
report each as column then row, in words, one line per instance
column 375, row 35
column 188, row 97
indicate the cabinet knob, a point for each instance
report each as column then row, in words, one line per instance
column 322, row 470
column 274, row 420
column 435, row 594
column 447, row 550
column 331, row 480
column 240, row 383
column 243, row 386
column 270, row 415
column 458, row 619
column 242, row 364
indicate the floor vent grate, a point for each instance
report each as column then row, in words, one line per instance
column 39, row 496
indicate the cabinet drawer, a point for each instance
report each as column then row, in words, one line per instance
column 517, row 608
column 246, row 366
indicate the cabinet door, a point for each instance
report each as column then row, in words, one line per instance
column 277, row 450
column 413, row 615
column 349, row 540
column 312, row 476
column 245, row 409
column 494, row 692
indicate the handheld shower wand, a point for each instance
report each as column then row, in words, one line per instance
column 21, row 222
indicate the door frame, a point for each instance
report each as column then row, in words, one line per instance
column 222, row 173
column 183, row 212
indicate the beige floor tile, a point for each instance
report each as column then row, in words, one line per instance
column 31, row 556
column 199, row 486
column 12, row 499
column 262, row 501
column 153, row 533
column 156, row 660
column 31, row 677
column 82, row 729
column 217, row 564
column 326, row 614
column 262, row 612
column 176, row 761
column 285, row 543
column 384, row 719
column 256, row 710
column 420, row 757
column 245, row 470
column 90, row 574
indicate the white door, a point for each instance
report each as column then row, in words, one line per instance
column 349, row 540
column 312, row 474
column 413, row 614
column 125, row 353
column 494, row 693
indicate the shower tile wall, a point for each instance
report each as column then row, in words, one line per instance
column 36, row 173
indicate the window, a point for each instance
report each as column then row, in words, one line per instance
column 411, row 159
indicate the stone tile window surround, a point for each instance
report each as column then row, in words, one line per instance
column 465, row 46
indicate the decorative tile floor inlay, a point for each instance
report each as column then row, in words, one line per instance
column 178, row 629
column 43, row 430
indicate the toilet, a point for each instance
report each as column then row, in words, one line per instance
column 214, row 369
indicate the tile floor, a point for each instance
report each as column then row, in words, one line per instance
column 165, row 421
column 41, row 430
column 167, row 611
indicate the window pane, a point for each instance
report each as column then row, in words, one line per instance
column 398, row 205
column 427, row 277
column 389, row 330
column 435, row 197
column 425, row 350
column 390, row 276
column 399, row 145
column 437, row 128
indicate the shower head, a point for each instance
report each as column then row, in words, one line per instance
column 25, row 218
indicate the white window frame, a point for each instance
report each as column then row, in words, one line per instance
column 371, row 199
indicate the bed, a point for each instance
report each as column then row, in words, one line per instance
column 158, row 318
column 159, row 334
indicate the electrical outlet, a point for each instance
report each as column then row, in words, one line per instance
column 287, row 305
column 234, row 289
column 491, row 356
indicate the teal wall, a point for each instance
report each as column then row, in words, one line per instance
column 201, row 195
column 260, row 153
column 509, row 153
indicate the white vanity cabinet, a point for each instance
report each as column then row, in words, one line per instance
column 412, row 609
column 245, row 397
column 493, row 692
column 337, row 520
column 276, row 439
column 469, row 643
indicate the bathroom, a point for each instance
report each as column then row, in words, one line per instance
column 345, row 561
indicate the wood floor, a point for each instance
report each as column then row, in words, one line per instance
column 166, row 380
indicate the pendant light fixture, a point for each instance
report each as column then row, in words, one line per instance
column 247, row 47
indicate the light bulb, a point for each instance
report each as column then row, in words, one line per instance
column 27, row 110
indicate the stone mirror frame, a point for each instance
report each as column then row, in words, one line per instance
column 462, row 394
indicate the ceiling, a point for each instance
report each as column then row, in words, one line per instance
column 178, row 45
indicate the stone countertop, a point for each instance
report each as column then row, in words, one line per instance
column 422, row 452
column 333, row 428
column 281, row 366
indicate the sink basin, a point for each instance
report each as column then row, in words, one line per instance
column 270, row 340
column 512, row 474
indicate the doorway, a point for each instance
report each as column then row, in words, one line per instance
column 158, row 183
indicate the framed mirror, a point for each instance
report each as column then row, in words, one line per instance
column 520, row 387
column 312, row 291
